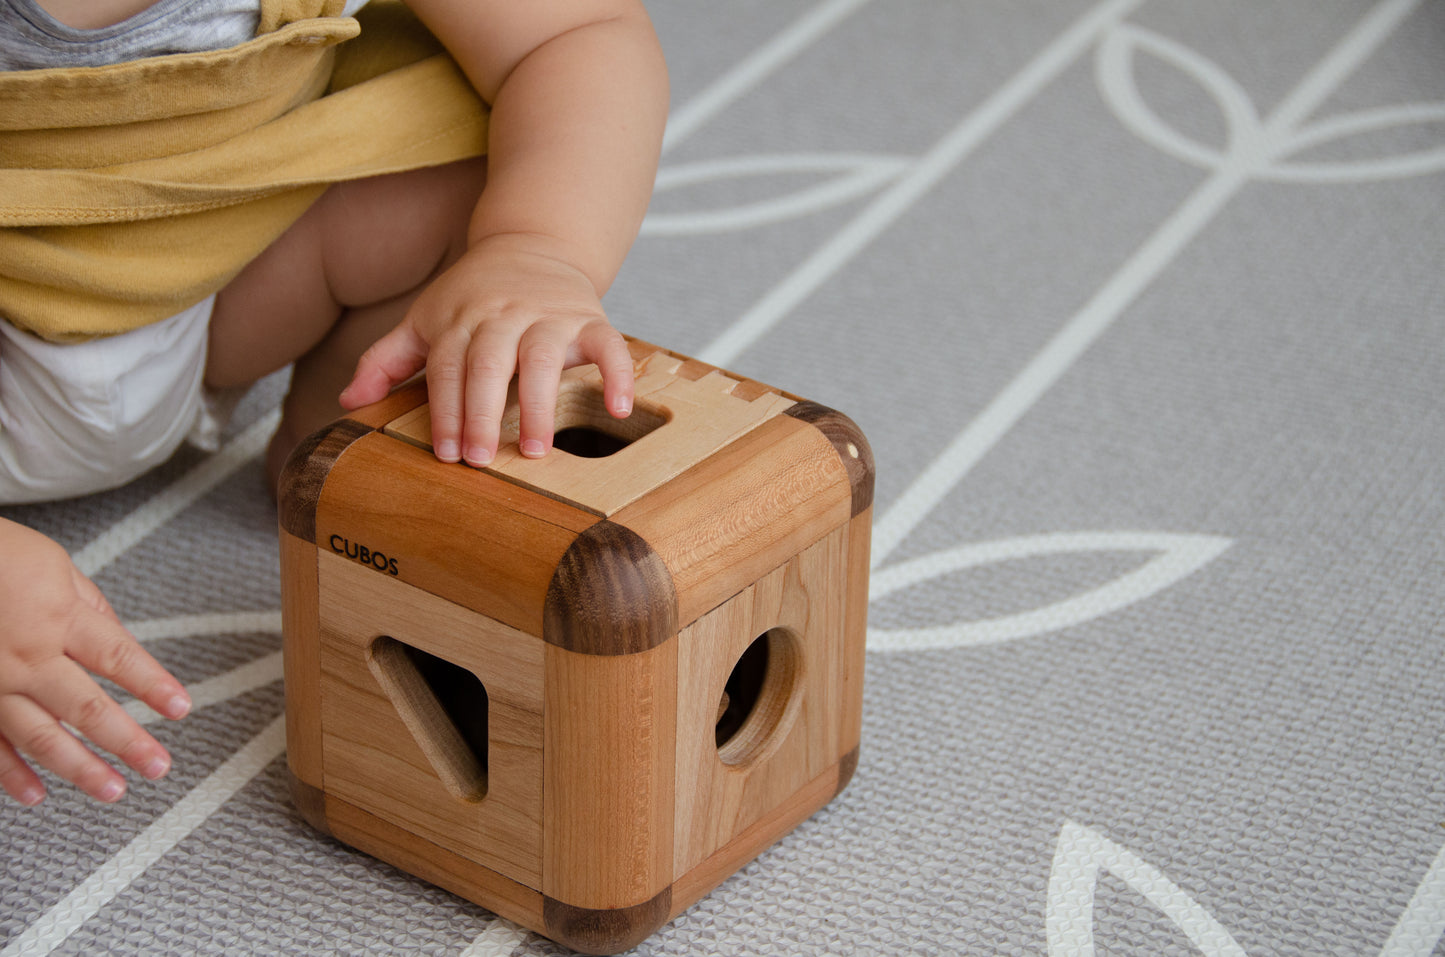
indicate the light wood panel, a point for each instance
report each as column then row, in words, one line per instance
column 756, row 838
column 373, row 760
column 431, row 862
column 804, row 598
column 301, row 657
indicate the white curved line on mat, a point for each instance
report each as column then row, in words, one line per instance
column 175, row 498
column 112, row 878
column 1080, row 855
column 215, row 623
column 1120, row 291
column 929, row 171
column 500, row 939
column 248, row 677
column 1115, row 77
column 1418, row 163
column 1422, row 926
column 755, row 68
column 1178, row 557
column 859, row 174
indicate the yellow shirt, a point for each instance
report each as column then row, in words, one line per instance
column 129, row 192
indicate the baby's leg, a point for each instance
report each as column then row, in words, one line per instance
column 341, row 277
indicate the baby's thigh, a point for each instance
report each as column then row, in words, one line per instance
column 362, row 243
column 385, row 236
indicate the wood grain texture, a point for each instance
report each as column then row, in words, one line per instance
column 305, row 473
column 431, row 862
column 684, row 411
column 301, row 657
column 610, row 595
column 401, row 401
column 457, row 533
column 374, row 760
column 758, row 837
column 737, row 515
column 603, row 604
column 853, row 449
column 716, row 800
column 605, row 931
column 458, row 766
column 696, row 369
column 610, row 749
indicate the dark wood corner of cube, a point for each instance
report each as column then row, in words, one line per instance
column 611, row 594
column 848, row 439
column 305, row 473
column 847, row 767
column 605, row 931
column 310, row 803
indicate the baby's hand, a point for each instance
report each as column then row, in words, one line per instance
column 54, row 622
column 505, row 308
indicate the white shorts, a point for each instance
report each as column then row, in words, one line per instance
column 83, row 417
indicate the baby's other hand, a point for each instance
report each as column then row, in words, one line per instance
column 507, row 307
column 55, row 625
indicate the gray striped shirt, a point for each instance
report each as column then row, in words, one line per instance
column 32, row 39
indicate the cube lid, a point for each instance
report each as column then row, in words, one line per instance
column 685, row 411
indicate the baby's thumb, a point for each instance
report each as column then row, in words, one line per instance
column 391, row 360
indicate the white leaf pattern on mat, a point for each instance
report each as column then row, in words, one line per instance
column 1178, row 555
column 1421, row 927
column 1357, row 124
column 1080, row 855
column 1253, row 146
column 854, row 175
column 500, row 939
column 1115, row 75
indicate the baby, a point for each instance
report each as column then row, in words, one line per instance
column 479, row 271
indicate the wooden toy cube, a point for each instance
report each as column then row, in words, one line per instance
column 583, row 690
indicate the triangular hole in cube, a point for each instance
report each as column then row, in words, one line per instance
column 444, row 706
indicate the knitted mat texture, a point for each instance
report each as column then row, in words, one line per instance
column 1141, row 306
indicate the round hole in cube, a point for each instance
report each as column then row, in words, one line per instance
column 756, row 698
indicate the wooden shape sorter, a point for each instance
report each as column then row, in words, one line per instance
column 581, row 690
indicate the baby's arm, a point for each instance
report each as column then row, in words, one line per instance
column 56, row 624
column 578, row 91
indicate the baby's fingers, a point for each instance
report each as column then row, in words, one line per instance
column 474, row 410
column 37, row 734
column 540, row 360
column 600, row 343
column 104, row 646
column 69, row 694
column 17, row 779
column 390, row 360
